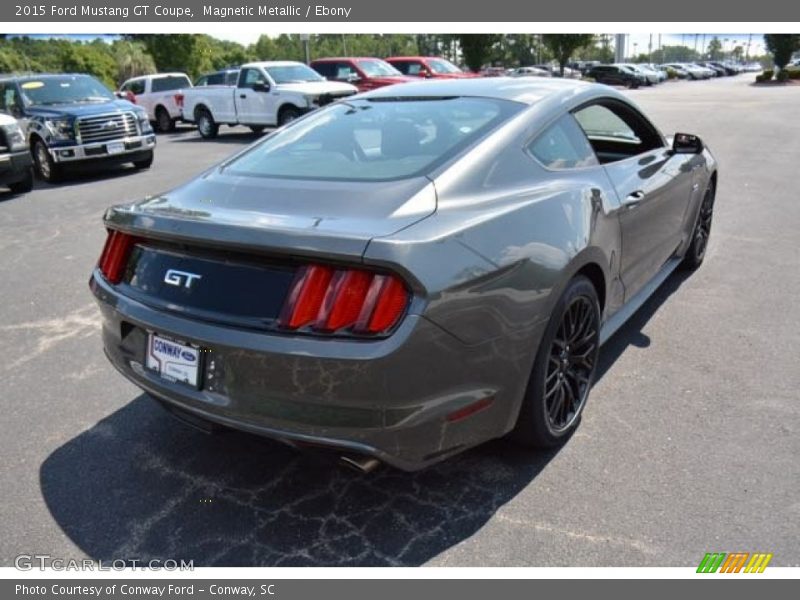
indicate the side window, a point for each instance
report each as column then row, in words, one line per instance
column 202, row 81
column 250, row 77
column 10, row 102
column 134, row 87
column 563, row 146
column 325, row 69
column 402, row 66
column 617, row 131
column 344, row 71
column 415, row 69
column 230, row 77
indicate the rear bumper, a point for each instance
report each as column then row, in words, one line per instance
column 136, row 145
column 14, row 166
column 386, row 398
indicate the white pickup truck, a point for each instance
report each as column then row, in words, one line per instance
column 266, row 94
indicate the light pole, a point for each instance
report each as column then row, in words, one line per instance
column 635, row 44
column 306, row 50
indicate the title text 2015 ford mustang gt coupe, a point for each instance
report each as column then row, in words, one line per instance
column 406, row 273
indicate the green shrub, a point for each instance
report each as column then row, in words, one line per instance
column 794, row 74
column 672, row 74
column 589, row 79
column 764, row 77
column 783, row 75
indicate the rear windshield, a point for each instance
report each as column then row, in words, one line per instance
column 66, row 89
column 169, row 83
column 374, row 140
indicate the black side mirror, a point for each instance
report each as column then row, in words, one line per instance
column 686, row 143
column 260, row 86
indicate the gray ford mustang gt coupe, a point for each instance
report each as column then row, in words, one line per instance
column 409, row 272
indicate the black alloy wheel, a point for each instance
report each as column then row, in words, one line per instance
column 702, row 231
column 563, row 370
column 571, row 363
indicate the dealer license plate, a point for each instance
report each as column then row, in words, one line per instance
column 173, row 361
column 115, row 147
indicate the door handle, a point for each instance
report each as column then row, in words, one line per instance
column 634, row 198
column 242, row 96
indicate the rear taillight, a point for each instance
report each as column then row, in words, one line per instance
column 330, row 300
column 115, row 255
column 179, row 100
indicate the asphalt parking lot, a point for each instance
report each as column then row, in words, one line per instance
column 689, row 443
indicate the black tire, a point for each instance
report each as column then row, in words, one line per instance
column 206, row 125
column 287, row 114
column 696, row 252
column 145, row 163
column 164, row 123
column 257, row 129
column 24, row 185
column 564, row 368
column 46, row 168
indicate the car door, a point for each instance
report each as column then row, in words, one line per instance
column 652, row 183
column 255, row 98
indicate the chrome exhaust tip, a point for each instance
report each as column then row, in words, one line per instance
column 360, row 464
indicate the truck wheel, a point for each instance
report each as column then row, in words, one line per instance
column 287, row 114
column 164, row 122
column 257, row 129
column 145, row 163
column 23, row 186
column 46, row 167
column 205, row 124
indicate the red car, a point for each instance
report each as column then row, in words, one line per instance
column 364, row 73
column 434, row 67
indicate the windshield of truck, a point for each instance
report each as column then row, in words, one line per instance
column 64, row 89
column 293, row 74
column 378, row 68
column 375, row 140
column 439, row 65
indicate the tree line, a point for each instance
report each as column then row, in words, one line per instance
column 140, row 54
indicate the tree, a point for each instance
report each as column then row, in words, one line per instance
column 475, row 48
column 714, row 49
column 781, row 46
column 563, row 45
column 132, row 60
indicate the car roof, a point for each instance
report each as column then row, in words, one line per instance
column 415, row 57
column 334, row 58
column 273, row 63
column 526, row 91
column 28, row 76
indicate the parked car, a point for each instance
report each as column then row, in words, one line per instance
column 493, row 72
column 692, row 71
column 304, row 289
column 616, row 75
column 161, row 95
column 530, row 72
column 364, row 73
column 15, row 156
column 222, row 77
column 74, row 119
column 555, row 71
column 266, row 94
column 646, row 77
column 719, row 70
column 653, row 70
column 431, row 67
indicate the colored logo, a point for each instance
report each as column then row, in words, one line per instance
column 735, row 562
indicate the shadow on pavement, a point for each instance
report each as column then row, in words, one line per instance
column 139, row 485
